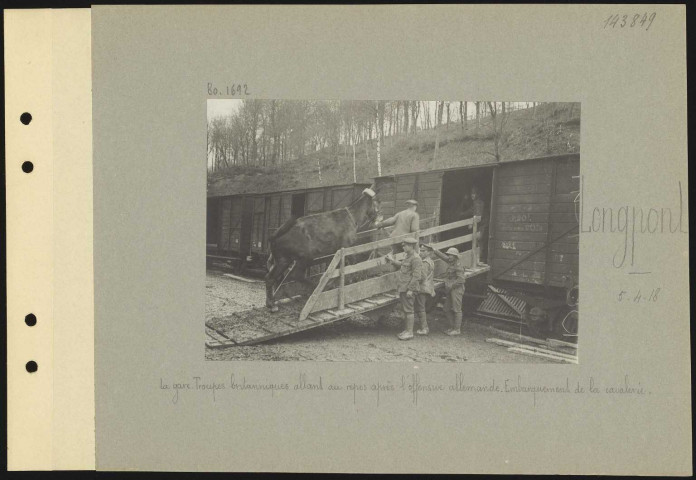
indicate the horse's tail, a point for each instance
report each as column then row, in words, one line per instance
column 283, row 228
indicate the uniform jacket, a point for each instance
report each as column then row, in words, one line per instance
column 404, row 222
column 410, row 274
column 455, row 273
column 427, row 284
column 476, row 209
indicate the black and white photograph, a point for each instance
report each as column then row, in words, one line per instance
column 415, row 231
column 348, row 239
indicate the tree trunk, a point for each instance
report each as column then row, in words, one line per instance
column 380, row 134
column 406, row 117
column 355, row 177
column 367, row 152
column 379, row 159
column 414, row 117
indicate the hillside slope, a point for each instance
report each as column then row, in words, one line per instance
column 552, row 129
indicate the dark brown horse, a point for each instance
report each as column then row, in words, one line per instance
column 303, row 239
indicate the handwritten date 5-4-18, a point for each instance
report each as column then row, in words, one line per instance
column 232, row 90
column 639, row 296
column 636, row 20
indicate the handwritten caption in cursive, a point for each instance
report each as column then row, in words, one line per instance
column 636, row 20
column 406, row 388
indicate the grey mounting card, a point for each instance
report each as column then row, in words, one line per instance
column 361, row 239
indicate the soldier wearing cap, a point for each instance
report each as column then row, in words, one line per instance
column 406, row 221
column 408, row 283
column 454, row 288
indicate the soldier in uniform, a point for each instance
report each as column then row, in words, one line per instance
column 427, row 289
column 406, row 221
column 476, row 207
column 454, row 288
column 408, row 286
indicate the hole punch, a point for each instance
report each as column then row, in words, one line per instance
column 27, row 167
column 30, row 320
column 25, row 118
column 32, row 366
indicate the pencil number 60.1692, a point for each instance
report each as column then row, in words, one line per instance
column 631, row 21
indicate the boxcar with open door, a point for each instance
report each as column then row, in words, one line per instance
column 532, row 233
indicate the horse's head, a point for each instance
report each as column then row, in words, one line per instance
column 373, row 204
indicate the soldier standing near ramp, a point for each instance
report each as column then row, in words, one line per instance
column 427, row 289
column 409, row 283
column 454, row 288
column 406, row 221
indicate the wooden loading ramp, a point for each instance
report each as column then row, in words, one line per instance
column 260, row 325
column 330, row 303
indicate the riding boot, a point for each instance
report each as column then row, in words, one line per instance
column 457, row 328
column 423, row 324
column 408, row 330
column 450, row 320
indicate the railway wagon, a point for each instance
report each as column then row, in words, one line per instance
column 532, row 237
column 239, row 226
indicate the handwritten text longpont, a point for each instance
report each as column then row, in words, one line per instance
column 630, row 220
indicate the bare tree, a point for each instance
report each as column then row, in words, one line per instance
column 415, row 110
column 380, row 136
column 439, row 107
column 406, row 117
column 498, row 122
column 462, row 114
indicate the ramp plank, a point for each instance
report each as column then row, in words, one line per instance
column 214, row 335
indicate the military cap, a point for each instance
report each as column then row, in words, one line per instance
column 410, row 241
column 452, row 251
column 411, row 202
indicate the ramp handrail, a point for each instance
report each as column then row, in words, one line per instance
column 338, row 260
column 386, row 242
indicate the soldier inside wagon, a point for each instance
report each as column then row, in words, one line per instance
column 405, row 221
column 475, row 206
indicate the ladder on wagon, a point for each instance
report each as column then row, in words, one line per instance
column 330, row 303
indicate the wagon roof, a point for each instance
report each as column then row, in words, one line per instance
column 222, row 187
column 482, row 165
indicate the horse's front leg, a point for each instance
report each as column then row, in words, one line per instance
column 271, row 279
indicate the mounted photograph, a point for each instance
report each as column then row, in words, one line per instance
column 392, row 231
